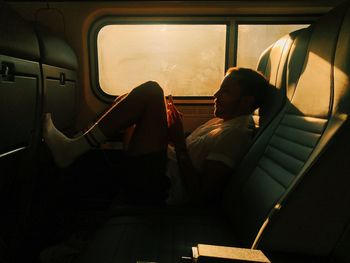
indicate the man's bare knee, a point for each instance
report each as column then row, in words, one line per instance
column 150, row 88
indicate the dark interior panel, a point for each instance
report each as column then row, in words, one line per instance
column 18, row 102
column 60, row 93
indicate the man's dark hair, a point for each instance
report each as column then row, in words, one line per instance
column 252, row 83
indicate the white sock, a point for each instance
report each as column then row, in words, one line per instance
column 65, row 150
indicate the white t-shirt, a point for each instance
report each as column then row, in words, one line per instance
column 215, row 140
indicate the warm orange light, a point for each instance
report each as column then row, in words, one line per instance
column 186, row 60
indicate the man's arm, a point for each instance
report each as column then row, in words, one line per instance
column 188, row 174
column 206, row 186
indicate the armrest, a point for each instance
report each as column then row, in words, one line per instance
column 219, row 254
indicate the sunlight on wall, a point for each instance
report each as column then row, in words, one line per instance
column 186, row 60
column 254, row 39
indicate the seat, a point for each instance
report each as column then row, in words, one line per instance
column 273, row 65
column 20, row 110
column 20, row 82
column 59, row 66
column 286, row 196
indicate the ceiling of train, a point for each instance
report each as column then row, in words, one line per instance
column 242, row 2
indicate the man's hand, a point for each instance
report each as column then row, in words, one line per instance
column 202, row 188
column 175, row 127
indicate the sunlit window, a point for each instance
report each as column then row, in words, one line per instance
column 254, row 39
column 186, row 60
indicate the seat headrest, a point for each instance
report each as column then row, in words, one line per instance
column 18, row 38
column 49, row 44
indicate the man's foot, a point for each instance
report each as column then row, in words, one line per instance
column 62, row 147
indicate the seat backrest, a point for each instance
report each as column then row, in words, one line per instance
column 20, row 82
column 20, row 107
column 273, row 65
column 291, row 166
column 314, row 210
column 59, row 66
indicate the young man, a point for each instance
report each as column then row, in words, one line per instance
column 198, row 166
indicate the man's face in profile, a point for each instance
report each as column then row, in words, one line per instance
column 227, row 98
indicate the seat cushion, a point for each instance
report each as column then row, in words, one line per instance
column 159, row 238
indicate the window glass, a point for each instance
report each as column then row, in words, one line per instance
column 254, row 39
column 186, row 60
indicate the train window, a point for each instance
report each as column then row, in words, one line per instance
column 186, row 56
column 254, row 39
column 185, row 59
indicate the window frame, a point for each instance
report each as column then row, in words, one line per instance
column 232, row 22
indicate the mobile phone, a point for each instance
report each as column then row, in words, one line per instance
column 170, row 100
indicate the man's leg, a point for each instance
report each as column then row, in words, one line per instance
column 144, row 106
column 144, row 179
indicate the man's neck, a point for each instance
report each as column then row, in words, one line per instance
column 236, row 115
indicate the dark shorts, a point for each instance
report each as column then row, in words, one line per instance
column 144, row 180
